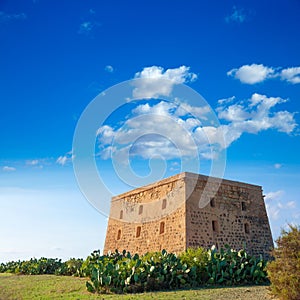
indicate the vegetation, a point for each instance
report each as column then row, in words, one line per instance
column 284, row 271
column 43, row 266
column 121, row 272
column 41, row 287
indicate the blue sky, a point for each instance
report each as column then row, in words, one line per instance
column 57, row 56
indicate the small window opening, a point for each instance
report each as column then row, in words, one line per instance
column 140, row 209
column 119, row 234
column 138, row 231
column 243, row 206
column 164, row 204
column 121, row 214
column 212, row 202
column 162, row 227
column 247, row 228
column 215, row 226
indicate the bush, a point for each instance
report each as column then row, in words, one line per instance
column 231, row 267
column 196, row 258
column 284, row 271
column 121, row 272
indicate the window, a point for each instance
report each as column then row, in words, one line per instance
column 247, row 228
column 164, row 204
column 212, row 202
column 121, row 214
column 119, row 234
column 138, row 231
column 215, row 226
column 243, row 206
column 140, row 209
column 162, row 227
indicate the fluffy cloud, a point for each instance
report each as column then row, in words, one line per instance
column 8, row 169
column 159, row 82
column 254, row 116
column 172, row 130
column 292, row 75
column 252, row 74
column 277, row 166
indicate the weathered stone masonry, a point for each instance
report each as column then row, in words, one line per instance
column 166, row 215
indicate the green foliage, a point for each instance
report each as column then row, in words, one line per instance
column 196, row 259
column 284, row 271
column 71, row 267
column 122, row 272
column 231, row 267
column 43, row 266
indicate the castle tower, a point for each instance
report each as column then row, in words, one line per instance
column 189, row 210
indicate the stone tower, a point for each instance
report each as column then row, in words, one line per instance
column 169, row 215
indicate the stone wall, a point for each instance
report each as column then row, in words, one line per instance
column 157, row 209
column 236, row 216
column 216, row 212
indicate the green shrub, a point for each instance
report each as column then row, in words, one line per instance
column 71, row 267
column 196, row 258
column 231, row 267
column 284, row 271
column 122, row 272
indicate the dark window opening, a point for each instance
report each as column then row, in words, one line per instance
column 212, row 202
column 243, row 206
column 215, row 226
column 247, row 228
column 119, row 234
column 162, row 227
column 138, row 231
column 121, row 214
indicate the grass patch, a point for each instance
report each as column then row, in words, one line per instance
column 67, row 287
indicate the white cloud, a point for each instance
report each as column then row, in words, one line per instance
column 292, row 75
column 159, row 82
column 277, row 166
column 291, row 204
column 4, row 17
column 278, row 207
column 64, row 159
column 155, row 130
column 253, row 117
column 109, row 68
column 8, row 169
column 174, row 130
column 274, row 195
column 237, row 15
column 252, row 74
